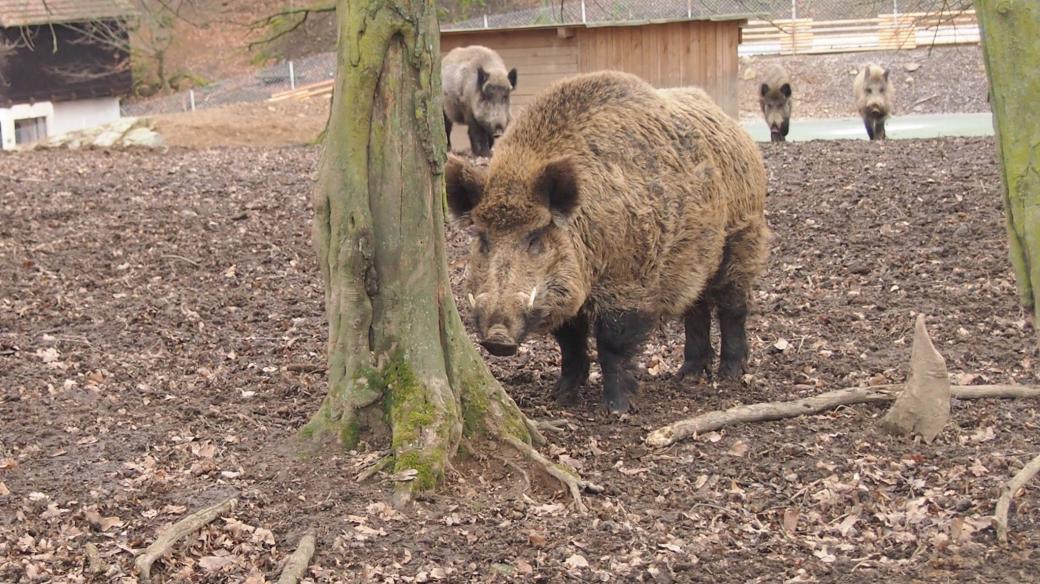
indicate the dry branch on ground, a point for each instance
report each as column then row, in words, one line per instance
column 174, row 533
column 763, row 412
column 1004, row 503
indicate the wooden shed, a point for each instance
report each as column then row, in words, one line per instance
column 671, row 53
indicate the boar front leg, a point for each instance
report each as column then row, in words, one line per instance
column 618, row 337
column 573, row 338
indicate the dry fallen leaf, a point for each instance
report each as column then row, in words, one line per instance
column 3, row 490
column 790, row 519
column 536, row 538
column 738, row 449
column 576, row 561
column 216, row 563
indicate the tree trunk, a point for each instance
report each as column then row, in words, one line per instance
column 1011, row 45
column 401, row 369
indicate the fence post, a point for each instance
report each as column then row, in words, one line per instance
column 191, row 98
column 292, row 76
column 582, row 12
column 485, row 21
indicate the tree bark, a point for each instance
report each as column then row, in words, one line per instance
column 401, row 368
column 1011, row 45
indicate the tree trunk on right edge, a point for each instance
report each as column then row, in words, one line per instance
column 1010, row 32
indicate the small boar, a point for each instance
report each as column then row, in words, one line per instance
column 476, row 89
column 774, row 96
column 613, row 205
column 873, row 99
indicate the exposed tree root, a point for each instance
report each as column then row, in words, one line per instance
column 296, row 565
column 377, row 466
column 1004, row 503
column 174, row 533
column 767, row 411
column 564, row 474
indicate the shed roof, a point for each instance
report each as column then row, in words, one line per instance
column 595, row 13
column 36, row 12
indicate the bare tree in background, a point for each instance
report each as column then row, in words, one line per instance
column 146, row 38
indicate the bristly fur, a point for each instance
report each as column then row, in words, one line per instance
column 874, row 94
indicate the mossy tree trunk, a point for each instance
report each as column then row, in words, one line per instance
column 401, row 369
column 1011, row 44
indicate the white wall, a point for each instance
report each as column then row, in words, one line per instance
column 70, row 116
column 62, row 117
column 8, row 115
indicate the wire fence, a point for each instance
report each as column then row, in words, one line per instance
column 572, row 12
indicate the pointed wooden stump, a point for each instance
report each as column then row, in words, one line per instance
column 923, row 407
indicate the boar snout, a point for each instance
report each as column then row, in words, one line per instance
column 498, row 342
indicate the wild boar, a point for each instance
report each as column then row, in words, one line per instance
column 873, row 98
column 774, row 96
column 612, row 205
column 476, row 88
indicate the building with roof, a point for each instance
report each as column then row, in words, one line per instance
column 64, row 64
column 669, row 43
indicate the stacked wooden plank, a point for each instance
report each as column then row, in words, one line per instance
column 305, row 91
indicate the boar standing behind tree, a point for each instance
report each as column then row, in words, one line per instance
column 774, row 96
column 612, row 204
column 476, row 88
column 873, row 99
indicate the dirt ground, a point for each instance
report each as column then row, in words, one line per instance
column 264, row 123
column 949, row 79
column 161, row 332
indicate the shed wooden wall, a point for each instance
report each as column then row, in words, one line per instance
column 675, row 54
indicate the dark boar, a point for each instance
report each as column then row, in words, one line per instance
column 774, row 96
column 873, row 99
column 476, row 88
column 614, row 205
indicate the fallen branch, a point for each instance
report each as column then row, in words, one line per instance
column 1004, row 503
column 297, row 563
column 762, row 412
column 175, row 533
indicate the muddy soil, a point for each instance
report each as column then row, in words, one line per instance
column 162, row 336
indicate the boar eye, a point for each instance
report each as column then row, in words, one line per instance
column 534, row 241
column 485, row 245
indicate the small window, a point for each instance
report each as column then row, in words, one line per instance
column 29, row 130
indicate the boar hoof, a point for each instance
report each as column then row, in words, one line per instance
column 731, row 369
column 566, row 392
column 696, row 369
column 617, row 396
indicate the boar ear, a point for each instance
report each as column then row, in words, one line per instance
column 884, row 72
column 482, row 78
column 786, row 89
column 512, row 77
column 464, row 183
column 558, row 183
column 763, row 89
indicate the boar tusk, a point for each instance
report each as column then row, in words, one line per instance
column 472, row 301
column 530, row 301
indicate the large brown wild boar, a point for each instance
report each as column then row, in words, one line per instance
column 873, row 98
column 774, row 97
column 476, row 87
column 612, row 204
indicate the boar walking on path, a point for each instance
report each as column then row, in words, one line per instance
column 612, row 205
column 873, row 99
column 774, row 97
column 476, row 88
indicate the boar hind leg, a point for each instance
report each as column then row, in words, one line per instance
column 573, row 338
column 732, row 307
column 618, row 337
column 698, row 354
